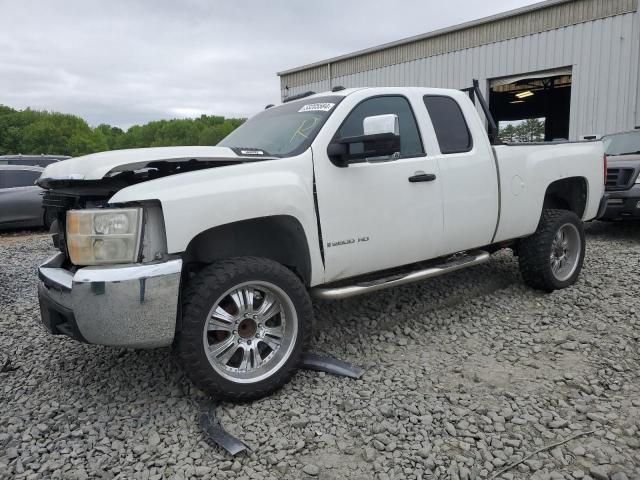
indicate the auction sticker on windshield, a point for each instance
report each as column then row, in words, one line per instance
column 317, row 107
column 251, row 152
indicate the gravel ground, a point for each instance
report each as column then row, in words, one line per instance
column 466, row 375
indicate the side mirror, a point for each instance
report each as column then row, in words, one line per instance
column 379, row 124
column 381, row 138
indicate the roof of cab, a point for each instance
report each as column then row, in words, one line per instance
column 348, row 91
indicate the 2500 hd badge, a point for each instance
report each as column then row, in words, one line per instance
column 348, row 241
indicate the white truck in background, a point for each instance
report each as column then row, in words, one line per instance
column 219, row 250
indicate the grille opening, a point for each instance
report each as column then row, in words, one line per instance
column 618, row 178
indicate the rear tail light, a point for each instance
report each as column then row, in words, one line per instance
column 604, row 162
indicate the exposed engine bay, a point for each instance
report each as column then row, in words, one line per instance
column 63, row 194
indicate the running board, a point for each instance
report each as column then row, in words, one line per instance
column 338, row 293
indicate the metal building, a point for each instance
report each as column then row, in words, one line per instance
column 574, row 63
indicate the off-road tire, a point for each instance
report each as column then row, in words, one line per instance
column 199, row 296
column 535, row 250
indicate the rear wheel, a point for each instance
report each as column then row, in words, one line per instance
column 552, row 257
column 246, row 323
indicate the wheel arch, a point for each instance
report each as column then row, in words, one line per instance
column 280, row 238
column 567, row 194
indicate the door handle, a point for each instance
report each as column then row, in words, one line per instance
column 422, row 177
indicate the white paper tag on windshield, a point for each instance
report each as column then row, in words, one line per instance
column 251, row 152
column 317, row 107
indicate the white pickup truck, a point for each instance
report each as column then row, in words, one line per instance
column 219, row 250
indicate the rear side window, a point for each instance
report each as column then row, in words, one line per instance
column 449, row 123
column 18, row 178
column 410, row 141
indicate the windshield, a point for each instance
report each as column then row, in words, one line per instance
column 622, row 143
column 286, row 130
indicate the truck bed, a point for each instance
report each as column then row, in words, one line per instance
column 525, row 171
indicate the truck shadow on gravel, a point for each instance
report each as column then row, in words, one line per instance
column 613, row 231
column 388, row 309
column 341, row 328
column 143, row 381
column 345, row 329
column 108, row 371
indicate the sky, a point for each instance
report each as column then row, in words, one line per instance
column 126, row 62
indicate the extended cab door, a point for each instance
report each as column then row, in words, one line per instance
column 372, row 215
column 468, row 173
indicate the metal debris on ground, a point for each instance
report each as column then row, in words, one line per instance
column 539, row 450
column 325, row 363
column 8, row 367
column 215, row 432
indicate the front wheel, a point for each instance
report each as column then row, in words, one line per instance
column 552, row 257
column 245, row 324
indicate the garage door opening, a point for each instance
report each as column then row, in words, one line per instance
column 532, row 107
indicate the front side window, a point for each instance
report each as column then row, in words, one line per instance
column 286, row 130
column 449, row 123
column 410, row 141
column 18, row 178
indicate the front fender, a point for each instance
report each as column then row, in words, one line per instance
column 197, row 201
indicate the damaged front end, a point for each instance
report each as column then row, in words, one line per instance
column 91, row 291
column 113, row 281
column 82, row 185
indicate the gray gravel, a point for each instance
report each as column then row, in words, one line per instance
column 466, row 374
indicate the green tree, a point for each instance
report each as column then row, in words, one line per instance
column 529, row 130
column 533, row 130
column 34, row 132
column 52, row 133
column 507, row 134
column 82, row 143
column 111, row 134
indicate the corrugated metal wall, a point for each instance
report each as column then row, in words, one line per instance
column 603, row 54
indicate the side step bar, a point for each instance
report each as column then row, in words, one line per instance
column 338, row 293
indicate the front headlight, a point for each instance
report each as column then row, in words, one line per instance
column 101, row 236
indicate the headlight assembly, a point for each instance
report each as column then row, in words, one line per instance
column 103, row 236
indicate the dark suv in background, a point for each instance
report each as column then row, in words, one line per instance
column 623, row 183
column 20, row 198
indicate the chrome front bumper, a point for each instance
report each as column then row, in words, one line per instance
column 121, row 305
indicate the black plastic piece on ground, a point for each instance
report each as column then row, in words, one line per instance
column 8, row 367
column 216, row 433
column 325, row 363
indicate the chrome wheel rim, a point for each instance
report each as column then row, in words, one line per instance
column 250, row 332
column 565, row 252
